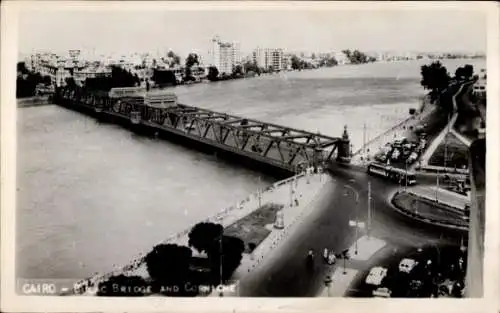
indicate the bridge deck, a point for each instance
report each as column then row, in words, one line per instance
column 280, row 146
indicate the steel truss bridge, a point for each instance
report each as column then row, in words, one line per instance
column 283, row 147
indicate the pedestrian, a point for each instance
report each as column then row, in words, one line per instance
column 325, row 254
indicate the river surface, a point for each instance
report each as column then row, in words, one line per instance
column 91, row 195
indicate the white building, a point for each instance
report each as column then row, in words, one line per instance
column 479, row 88
column 341, row 58
column 225, row 55
column 80, row 75
column 269, row 58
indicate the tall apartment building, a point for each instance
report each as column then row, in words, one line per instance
column 225, row 55
column 269, row 58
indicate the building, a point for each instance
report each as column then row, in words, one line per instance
column 341, row 58
column 475, row 257
column 81, row 74
column 225, row 55
column 269, row 58
column 479, row 88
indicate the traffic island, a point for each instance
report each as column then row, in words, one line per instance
column 429, row 211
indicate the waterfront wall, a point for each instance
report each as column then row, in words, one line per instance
column 33, row 101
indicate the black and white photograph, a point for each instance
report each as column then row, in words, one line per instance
column 249, row 150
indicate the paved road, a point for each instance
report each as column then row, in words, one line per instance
column 288, row 276
column 447, row 197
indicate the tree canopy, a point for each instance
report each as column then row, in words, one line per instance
column 251, row 66
column 213, row 73
column 357, row 57
column 225, row 256
column 191, row 60
column 168, row 264
column 164, row 77
column 464, row 72
column 203, row 234
column 119, row 78
column 176, row 60
column 237, row 71
column 27, row 82
column 435, row 78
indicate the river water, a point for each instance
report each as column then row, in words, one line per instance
column 93, row 195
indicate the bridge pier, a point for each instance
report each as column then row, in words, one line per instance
column 344, row 149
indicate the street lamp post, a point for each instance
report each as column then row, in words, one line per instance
column 357, row 220
column 369, row 209
column 260, row 194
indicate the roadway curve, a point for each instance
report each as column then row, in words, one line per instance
column 287, row 276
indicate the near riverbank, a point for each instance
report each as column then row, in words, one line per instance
column 33, row 101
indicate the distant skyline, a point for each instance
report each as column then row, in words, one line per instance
column 191, row 31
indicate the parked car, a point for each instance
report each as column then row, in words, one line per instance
column 376, row 275
column 395, row 155
column 407, row 265
column 412, row 158
column 382, row 293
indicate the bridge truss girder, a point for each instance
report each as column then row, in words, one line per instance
column 276, row 143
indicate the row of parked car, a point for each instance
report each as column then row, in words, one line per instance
column 377, row 275
column 401, row 151
column 419, row 275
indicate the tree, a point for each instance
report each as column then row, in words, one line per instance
column 435, row 78
column 347, row 53
column 176, row 60
column 164, row 77
column 330, row 61
column 203, row 234
column 70, row 82
column 123, row 286
column 213, row 73
column 119, row 78
column 468, row 71
column 225, row 254
column 192, row 59
column 46, row 80
column 237, row 71
column 296, row 63
column 21, row 68
column 251, row 66
column 168, row 264
column 459, row 73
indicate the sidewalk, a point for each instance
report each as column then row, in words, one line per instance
column 343, row 279
column 443, row 196
column 293, row 217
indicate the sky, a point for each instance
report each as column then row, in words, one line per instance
column 292, row 30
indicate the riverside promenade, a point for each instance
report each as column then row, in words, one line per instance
column 294, row 193
column 402, row 129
